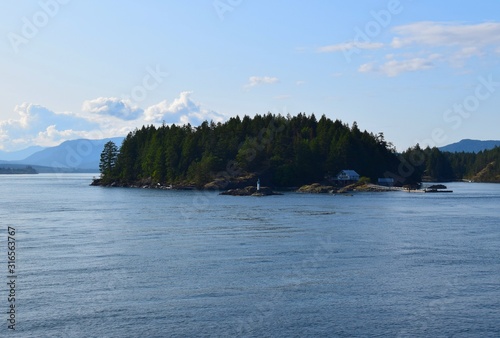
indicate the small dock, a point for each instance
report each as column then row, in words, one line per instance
column 436, row 190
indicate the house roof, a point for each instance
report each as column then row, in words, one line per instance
column 349, row 172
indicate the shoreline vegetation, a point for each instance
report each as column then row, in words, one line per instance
column 280, row 152
column 315, row 188
column 18, row 171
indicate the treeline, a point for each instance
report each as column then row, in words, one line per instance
column 12, row 171
column 283, row 151
column 434, row 165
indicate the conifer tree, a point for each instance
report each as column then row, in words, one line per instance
column 108, row 159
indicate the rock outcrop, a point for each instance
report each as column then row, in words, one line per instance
column 250, row 191
column 317, row 188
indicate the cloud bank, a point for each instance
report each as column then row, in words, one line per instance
column 182, row 110
column 421, row 46
column 112, row 106
column 393, row 68
column 37, row 125
column 442, row 34
column 99, row 118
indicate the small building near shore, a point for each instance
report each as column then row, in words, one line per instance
column 348, row 176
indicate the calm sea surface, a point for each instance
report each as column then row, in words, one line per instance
column 115, row 262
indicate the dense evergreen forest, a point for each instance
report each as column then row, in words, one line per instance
column 434, row 165
column 282, row 151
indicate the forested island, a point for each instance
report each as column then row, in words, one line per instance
column 433, row 165
column 282, row 151
column 18, row 171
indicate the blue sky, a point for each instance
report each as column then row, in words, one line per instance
column 419, row 71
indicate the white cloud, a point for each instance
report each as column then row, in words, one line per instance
column 52, row 136
column 367, row 67
column 441, row 34
column 182, row 110
column 393, row 68
column 424, row 45
column 457, row 42
column 458, row 58
column 112, row 106
column 344, row 47
column 259, row 80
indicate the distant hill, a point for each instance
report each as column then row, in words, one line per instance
column 80, row 155
column 43, row 170
column 470, row 146
column 18, row 171
column 18, row 155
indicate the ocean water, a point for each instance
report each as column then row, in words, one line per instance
column 117, row 262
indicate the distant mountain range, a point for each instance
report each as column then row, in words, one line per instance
column 80, row 155
column 20, row 154
column 470, row 146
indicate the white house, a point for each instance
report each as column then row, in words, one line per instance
column 348, row 175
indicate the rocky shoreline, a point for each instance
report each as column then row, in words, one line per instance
column 250, row 191
column 147, row 183
column 317, row 188
column 144, row 184
column 241, row 187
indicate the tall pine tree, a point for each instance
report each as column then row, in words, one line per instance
column 108, row 160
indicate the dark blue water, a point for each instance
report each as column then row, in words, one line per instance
column 113, row 262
